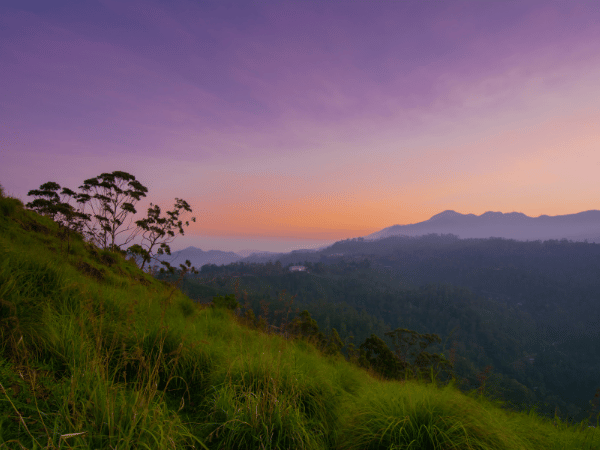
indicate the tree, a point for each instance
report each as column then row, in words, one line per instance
column 226, row 302
column 48, row 203
column 111, row 197
column 434, row 362
column 334, row 343
column 305, row 326
column 159, row 231
column 377, row 355
column 403, row 341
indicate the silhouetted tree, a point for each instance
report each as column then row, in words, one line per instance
column 48, row 203
column 158, row 230
column 111, row 197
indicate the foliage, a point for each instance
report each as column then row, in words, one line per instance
column 48, row 203
column 155, row 228
column 111, row 197
column 419, row 361
column 333, row 344
column 376, row 354
column 9, row 205
column 305, row 326
column 225, row 301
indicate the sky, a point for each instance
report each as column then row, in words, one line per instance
column 294, row 124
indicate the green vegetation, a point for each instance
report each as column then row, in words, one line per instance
column 97, row 354
column 530, row 356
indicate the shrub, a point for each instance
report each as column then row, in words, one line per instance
column 227, row 301
column 9, row 205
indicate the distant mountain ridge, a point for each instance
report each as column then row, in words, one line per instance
column 245, row 253
column 514, row 225
column 199, row 257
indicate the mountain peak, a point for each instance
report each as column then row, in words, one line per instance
column 513, row 225
column 501, row 215
column 446, row 215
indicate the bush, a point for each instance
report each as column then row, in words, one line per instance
column 9, row 205
column 228, row 302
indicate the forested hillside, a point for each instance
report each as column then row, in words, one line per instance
column 537, row 346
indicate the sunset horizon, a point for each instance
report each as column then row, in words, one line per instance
column 290, row 125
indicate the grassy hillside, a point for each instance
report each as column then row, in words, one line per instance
column 97, row 354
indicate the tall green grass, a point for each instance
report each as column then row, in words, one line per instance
column 96, row 354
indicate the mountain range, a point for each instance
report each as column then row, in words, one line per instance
column 199, row 257
column 518, row 226
column 576, row 227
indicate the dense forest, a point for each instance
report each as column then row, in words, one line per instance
column 521, row 315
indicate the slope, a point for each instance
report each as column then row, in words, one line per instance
column 97, row 354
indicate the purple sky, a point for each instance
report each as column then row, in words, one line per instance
column 294, row 124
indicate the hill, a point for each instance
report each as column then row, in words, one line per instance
column 199, row 257
column 97, row 354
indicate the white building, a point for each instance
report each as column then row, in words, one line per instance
column 297, row 268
